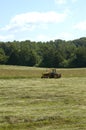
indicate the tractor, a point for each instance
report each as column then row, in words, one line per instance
column 51, row 74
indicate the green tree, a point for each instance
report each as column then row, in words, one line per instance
column 3, row 57
column 80, row 58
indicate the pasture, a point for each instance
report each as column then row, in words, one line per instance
column 28, row 102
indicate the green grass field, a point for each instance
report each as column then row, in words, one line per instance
column 28, row 102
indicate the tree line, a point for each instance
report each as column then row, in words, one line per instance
column 57, row 54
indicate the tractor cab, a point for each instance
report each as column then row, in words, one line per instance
column 51, row 74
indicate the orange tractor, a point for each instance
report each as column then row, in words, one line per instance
column 52, row 74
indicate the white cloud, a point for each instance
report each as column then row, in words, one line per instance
column 60, row 1
column 63, row 36
column 38, row 17
column 66, row 36
column 73, row 1
column 31, row 20
column 64, row 1
column 6, row 37
column 81, row 26
column 42, row 37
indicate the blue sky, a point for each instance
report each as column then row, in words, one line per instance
column 42, row 20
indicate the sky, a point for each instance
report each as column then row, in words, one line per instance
column 42, row 20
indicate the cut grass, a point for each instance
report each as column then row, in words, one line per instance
column 19, row 72
column 9, row 72
column 43, row 104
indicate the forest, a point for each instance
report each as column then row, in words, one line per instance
column 51, row 54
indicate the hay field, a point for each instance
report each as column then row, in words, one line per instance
column 28, row 102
